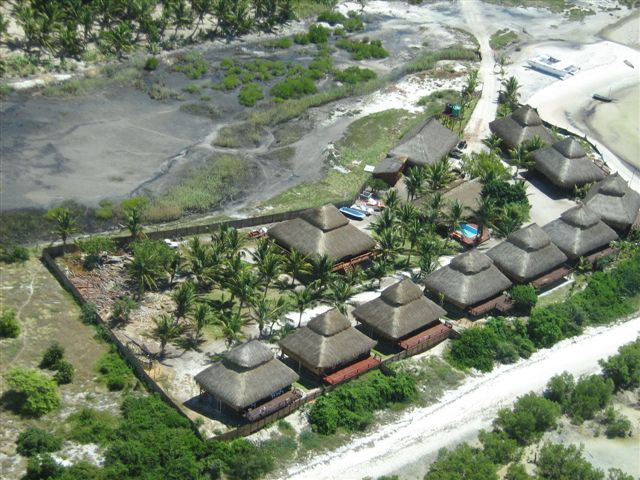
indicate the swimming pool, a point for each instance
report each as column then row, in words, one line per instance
column 467, row 230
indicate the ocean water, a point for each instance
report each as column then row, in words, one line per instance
column 617, row 124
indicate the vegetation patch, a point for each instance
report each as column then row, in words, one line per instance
column 192, row 64
column 503, row 38
column 354, row 75
column 427, row 60
column 91, row 426
column 114, row 371
column 363, row 49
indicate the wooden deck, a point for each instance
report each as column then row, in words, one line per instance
column 273, row 405
column 551, row 277
column 471, row 241
column 352, row 370
column 501, row 303
column 602, row 253
column 427, row 338
column 348, row 265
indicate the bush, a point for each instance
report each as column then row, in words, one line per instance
column 9, row 325
column 547, row 326
column 516, row 471
column 560, row 389
column 616, row 424
column 524, row 297
column 152, row 63
column 624, row 368
column 331, row 17
column 560, row 462
column 318, row 34
column 500, row 449
column 114, row 371
column 351, row 406
column 65, row 372
column 34, row 440
column 293, row 87
column 30, row 392
column 43, row 468
column 354, row 75
column 462, row 462
column 301, row 38
column 93, row 247
column 122, row 309
column 250, row 94
column 192, row 65
column 283, row 43
column 91, row 426
column 364, row 49
column 89, row 314
column 530, row 417
column 12, row 253
column 52, row 356
column 590, row 395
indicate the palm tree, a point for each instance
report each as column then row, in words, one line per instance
column 388, row 243
column 133, row 209
column 377, row 271
column 493, row 142
column 386, row 220
column 472, row 82
column 519, row 156
column 303, row 298
column 267, row 312
column 242, row 284
column 264, row 247
column 322, row 271
column 535, row 143
column 145, row 268
column 438, row 174
column 229, row 239
column 185, row 297
column 435, row 208
column 203, row 261
column 166, row 330
column 406, row 213
column 295, row 263
column 391, row 199
column 430, row 247
column 268, row 269
column 232, row 324
column 202, row 316
column 65, row 222
column 340, row 292
column 511, row 91
column 414, row 230
column 454, row 216
column 485, row 214
column 413, row 181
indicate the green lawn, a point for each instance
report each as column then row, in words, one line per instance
column 503, row 38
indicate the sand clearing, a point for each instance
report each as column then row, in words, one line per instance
column 462, row 412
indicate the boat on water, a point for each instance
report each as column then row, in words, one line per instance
column 602, row 98
column 552, row 66
column 353, row 213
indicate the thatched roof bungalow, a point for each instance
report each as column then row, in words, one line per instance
column 527, row 254
column 566, row 164
column 522, row 125
column 389, row 170
column 468, row 280
column 327, row 343
column 322, row 231
column 579, row 231
column 399, row 312
column 426, row 143
column 615, row 203
column 247, row 375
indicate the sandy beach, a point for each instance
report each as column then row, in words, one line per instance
column 419, row 433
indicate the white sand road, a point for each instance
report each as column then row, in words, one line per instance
column 462, row 412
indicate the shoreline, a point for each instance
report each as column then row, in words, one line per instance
column 420, row 432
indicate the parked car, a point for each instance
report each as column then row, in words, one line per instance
column 462, row 145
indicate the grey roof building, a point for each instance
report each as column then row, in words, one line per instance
column 522, row 125
column 426, row 143
column 615, row 203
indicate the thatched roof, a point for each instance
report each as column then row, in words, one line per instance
column 426, row 143
column 522, row 125
column 246, row 374
column 390, row 165
column 322, row 231
column 327, row 341
column 527, row 254
column 469, row 279
column 613, row 200
column 566, row 164
column 400, row 310
column 579, row 231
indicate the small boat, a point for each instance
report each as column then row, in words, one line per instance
column 363, row 208
column 602, row 98
column 353, row 213
column 629, row 63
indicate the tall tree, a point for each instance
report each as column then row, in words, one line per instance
column 303, row 298
column 133, row 209
column 295, row 264
column 166, row 330
column 268, row 270
column 455, row 216
column 184, row 296
column 201, row 317
column 267, row 311
column 511, row 91
column 340, row 292
column 232, row 324
column 485, row 214
column 493, row 142
column 64, row 222
column 414, row 181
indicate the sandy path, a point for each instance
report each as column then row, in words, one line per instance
column 478, row 126
column 462, row 412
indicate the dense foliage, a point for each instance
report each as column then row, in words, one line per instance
column 524, row 297
column 12, row 253
column 530, row 417
column 559, row 462
column 354, row 75
column 114, row 371
column 624, row 368
column 462, row 462
column 30, row 392
column 363, row 49
column 9, row 324
column 351, row 406
column 34, row 440
column 52, row 356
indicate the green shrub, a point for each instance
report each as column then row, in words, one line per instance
column 105, row 210
column 192, row 65
column 363, row 49
column 30, row 392
column 547, row 326
column 624, row 368
column 9, row 325
column 354, row 75
column 294, row 87
column 590, row 395
column 250, row 94
column 94, row 247
column 320, row 66
column 530, row 417
column 351, row 406
column 331, row 17
column 500, row 449
column 427, row 60
column 52, row 356
column 318, row 34
column 354, row 23
column 122, row 309
column 34, row 441
column 560, row 389
column 43, row 468
column 616, row 424
column 191, row 88
column 229, row 82
column 114, row 371
column 65, row 372
column 302, row 38
column 12, row 253
column 558, row 461
column 524, row 297
column 283, row 43
column 89, row 314
column 151, row 63
column 517, row 471
column 91, row 426
column 462, row 462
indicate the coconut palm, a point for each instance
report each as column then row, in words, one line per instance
column 229, row 239
column 264, row 247
column 435, row 208
column 268, row 269
column 438, row 174
column 386, row 220
column 64, row 222
column 146, row 267
column 322, row 271
column 133, row 209
column 414, row 181
column 511, row 91
column 166, row 330
column 203, row 261
column 472, row 83
column 296, row 263
column 377, row 271
column 535, row 143
column 340, row 292
column 184, row 296
column 493, row 142
column 485, row 214
column 430, row 248
column 232, row 324
column 302, row 299
column 454, row 216
column 519, row 157
column 389, row 241
column 391, row 199
column 267, row 312
column 414, row 230
column 201, row 317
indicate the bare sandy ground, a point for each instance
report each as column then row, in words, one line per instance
column 419, row 433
